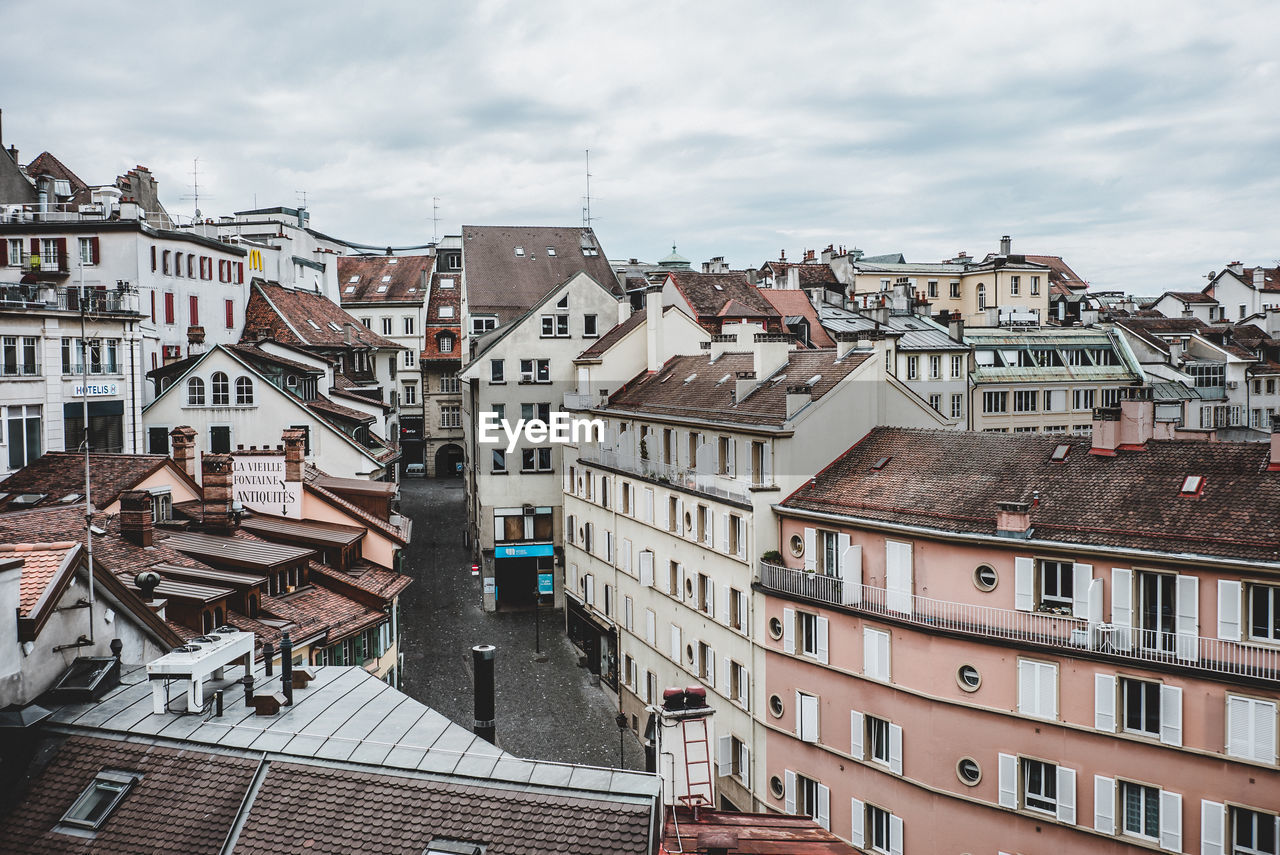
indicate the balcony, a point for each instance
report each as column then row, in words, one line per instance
column 576, row 401
column 93, row 301
column 665, row 473
column 1063, row 632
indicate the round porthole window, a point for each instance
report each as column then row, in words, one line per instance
column 968, row 771
column 797, row 545
column 775, row 628
column 688, row 587
column 688, row 522
column 968, row 678
column 775, row 787
column 775, row 705
column 688, row 653
column 985, row 578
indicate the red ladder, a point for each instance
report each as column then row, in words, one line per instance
column 697, row 769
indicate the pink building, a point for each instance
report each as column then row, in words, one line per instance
column 1030, row 644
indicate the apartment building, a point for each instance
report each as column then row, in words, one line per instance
column 1077, row 653
column 520, row 371
column 441, row 361
column 1244, row 291
column 389, row 294
column 281, row 247
column 716, row 299
column 666, row 515
column 1046, row 380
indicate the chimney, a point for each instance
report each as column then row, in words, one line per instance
column 828, row 254
column 684, row 735
column 136, row 525
column 1273, row 463
column 1175, row 352
column 1014, row 520
column 1006, row 245
column 147, row 581
column 798, row 397
column 653, row 325
column 770, row 352
column 744, row 384
column 1259, row 278
column 782, row 255
column 808, row 255
column 1106, row 431
column 485, row 727
column 846, row 340
column 1236, row 267
column 955, row 327
column 294, row 453
column 793, row 278
column 215, row 470
column 1137, row 417
column 183, row 439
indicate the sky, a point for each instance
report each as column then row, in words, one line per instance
column 1140, row 141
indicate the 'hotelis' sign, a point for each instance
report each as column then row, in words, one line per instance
column 257, row 482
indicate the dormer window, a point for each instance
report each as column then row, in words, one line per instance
column 1192, row 485
column 519, row 252
column 101, row 798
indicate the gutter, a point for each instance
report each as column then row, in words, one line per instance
column 246, row 805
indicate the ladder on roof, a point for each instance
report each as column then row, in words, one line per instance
column 697, row 762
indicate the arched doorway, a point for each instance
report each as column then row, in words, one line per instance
column 449, row 461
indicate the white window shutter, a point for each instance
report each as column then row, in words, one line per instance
column 807, row 717
column 744, row 764
column 1188, row 617
column 895, row 748
column 1170, row 821
column 1104, row 702
column 1008, row 783
column 1122, row 602
column 628, row 609
column 711, row 668
column 1229, row 600
column 850, row 571
column 790, row 790
column 1170, row 715
column 1213, row 828
column 675, row 643
column 646, row 568
column 858, row 811
column 1024, row 584
column 724, row 604
column 766, row 461
column 744, row 687
column 709, row 593
column 810, row 550
column 1082, row 575
column 726, row 677
column 1066, row 795
column 680, row 517
column 1104, row 804
column 650, row 627
column 742, row 613
column 898, row 582
column 679, row 592
column 626, row 554
column 732, row 461
column 724, row 756
column 1047, row 680
column 1027, row 695
column 895, row 835
column 648, row 505
column 823, row 630
column 724, row 533
column 824, row 807
column 857, row 728
column 789, row 630
column 1239, row 735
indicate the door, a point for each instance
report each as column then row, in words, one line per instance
column 220, row 439
column 1158, row 605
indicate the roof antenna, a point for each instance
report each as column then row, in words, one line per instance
column 195, row 187
column 586, row 205
column 435, row 219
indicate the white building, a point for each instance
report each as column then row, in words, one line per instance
column 1243, row 291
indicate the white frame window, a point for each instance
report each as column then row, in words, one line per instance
column 1038, row 788
column 1139, row 810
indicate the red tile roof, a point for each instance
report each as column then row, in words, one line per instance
column 709, row 293
column 384, row 278
column 757, row 833
column 1060, row 273
column 797, row 303
column 311, row 476
column 952, row 481
column 46, row 164
column 300, row 317
column 61, row 473
column 1191, row 297
column 185, row 801
column 40, row 564
column 709, row 395
column 614, row 335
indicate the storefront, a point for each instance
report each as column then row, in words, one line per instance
column 515, row 573
column 597, row 641
column 411, row 440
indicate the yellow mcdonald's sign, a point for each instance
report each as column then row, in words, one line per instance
column 255, row 260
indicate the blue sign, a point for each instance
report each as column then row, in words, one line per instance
column 546, row 584
column 533, row 550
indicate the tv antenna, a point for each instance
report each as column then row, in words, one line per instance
column 586, row 204
column 302, row 197
column 194, row 196
column 435, row 219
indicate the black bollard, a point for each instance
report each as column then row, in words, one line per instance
column 286, row 668
column 269, row 653
column 248, row 690
column 482, row 666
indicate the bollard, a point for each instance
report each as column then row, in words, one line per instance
column 286, row 668
column 482, row 656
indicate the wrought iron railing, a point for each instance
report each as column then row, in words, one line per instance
column 701, row 482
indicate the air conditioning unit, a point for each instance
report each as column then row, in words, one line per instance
column 1232, row 384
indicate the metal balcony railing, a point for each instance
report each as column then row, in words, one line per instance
column 1065, row 632
column 701, row 482
column 576, row 401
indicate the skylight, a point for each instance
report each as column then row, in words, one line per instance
column 446, row 283
column 551, row 251
column 382, row 289
column 723, row 379
column 98, row 801
column 386, row 278
column 355, row 278
column 813, row 380
column 880, row 464
column 334, row 327
column 350, row 289
column 69, row 498
column 1060, row 453
column 314, row 325
column 717, row 286
column 519, row 252
column 690, row 377
column 393, row 261
column 1192, row 485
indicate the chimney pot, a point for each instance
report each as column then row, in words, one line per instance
column 1106, row 431
column 136, row 525
column 1013, row 519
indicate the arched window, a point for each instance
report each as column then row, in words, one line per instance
column 221, row 389
column 195, row 392
column 445, row 341
column 244, row 392
column 206, row 622
column 982, row 297
column 219, row 617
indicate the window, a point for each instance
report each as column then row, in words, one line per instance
column 1140, row 702
column 1254, row 833
column 933, row 289
column 589, row 326
column 445, row 342
column 1264, row 612
column 499, row 461
column 168, row 307
column 737, row 610
column 1014, row 285
column 386, row 326
column 1056, row 584
column 877, row 737
column 496, row 372
column 86, row 251
column 957, row 406
column 25, row 434
column 1110, row 397
column 808, row 797
column 1025, row 401
column 706, row 664
column 407, row 356
column 244, row 392
column 957, row 366
column 535, row 460
column 982, row 297
column 935, row 401
column 479, row 326
column 935, row 367
column 555, row 326
column 1039, row 785
column 450, row 416
column 50, row 257
column 230, row 311
column 1038, row 688
column 535, row 371
column 875, row 654
column 407, row 321
column 913, row 367
column 995, row 402
column 880, row 831
column 955, row 289
column 1035, row 286
column 410, row 393
column 15, row 252
column 20, row 356
column 1083, row 399
column 97, row 802
column 193, row 310
column 738, row 683
column 220, row 440
column 737, row 535
column 221, row 389
column 1251, row 728
column 195, row 392
column 705, row 593
column 1141, row 806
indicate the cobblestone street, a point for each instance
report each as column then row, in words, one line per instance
column 547, row 710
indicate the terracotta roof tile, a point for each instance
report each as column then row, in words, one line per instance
column 304, row 318
column 797, row 303
column 40, row 563
column 61, row 473
column 709, row 293
column 613, row 336
column 384, row 278
column 1060, row 273
column 1128, row 501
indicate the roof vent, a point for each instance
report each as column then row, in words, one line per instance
column 881, row 463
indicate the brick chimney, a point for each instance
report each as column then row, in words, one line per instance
column 1013, row 519
column 1137, row 417
column 294, row 453
column 1106, row 431
column 215, row 470
column 183, row 440
column 1273, row 465
column 136, row 524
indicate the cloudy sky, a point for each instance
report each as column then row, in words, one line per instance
column 1139, row 140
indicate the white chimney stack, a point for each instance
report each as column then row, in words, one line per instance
column 653, row 325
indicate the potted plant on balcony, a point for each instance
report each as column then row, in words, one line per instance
column 773, row 556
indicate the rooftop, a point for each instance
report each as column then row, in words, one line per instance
column 58, row 474
column 709, row 293
column 384, row 278
column 306, row 318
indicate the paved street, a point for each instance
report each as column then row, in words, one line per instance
column 547, row 711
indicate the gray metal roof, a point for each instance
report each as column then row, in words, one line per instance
column 237, row 550
column 209, row 574
column 917, row 333
column 346, row 715
column 317, row 532
column 185, row 590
